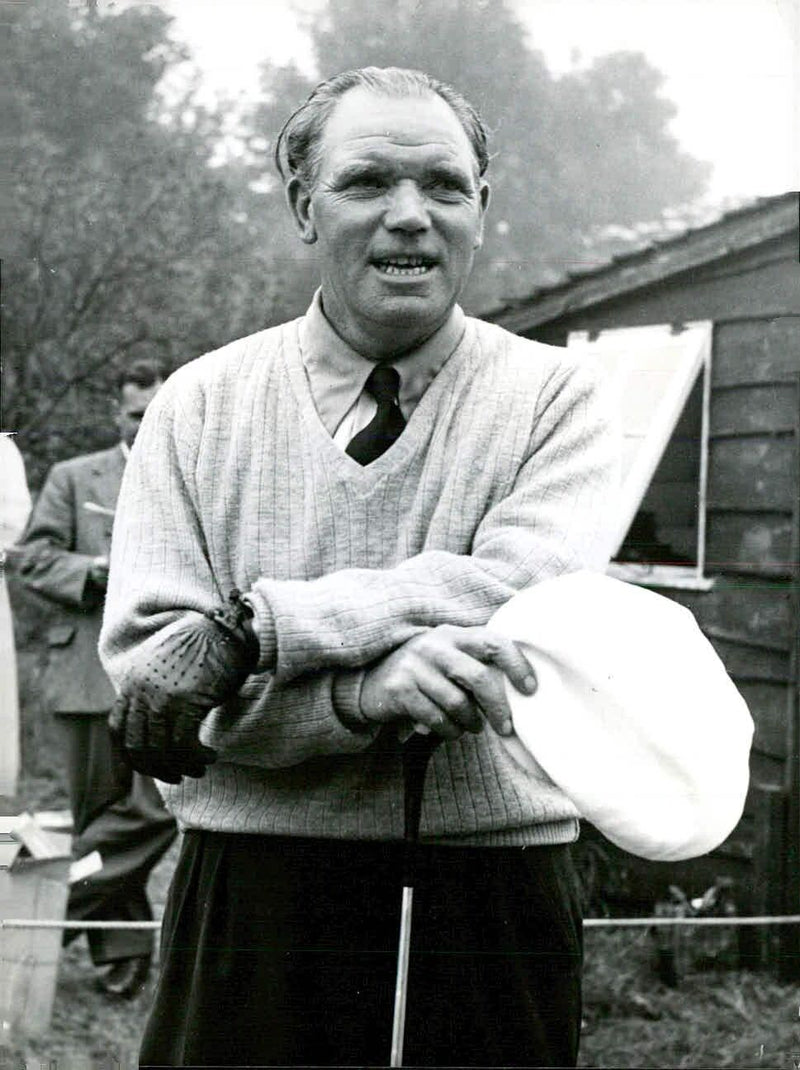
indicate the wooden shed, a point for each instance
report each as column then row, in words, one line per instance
column 701, row 334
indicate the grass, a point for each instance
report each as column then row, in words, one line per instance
column 724, row 1018
column 713, row 1018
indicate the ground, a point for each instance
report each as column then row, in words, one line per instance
column 88, row 1032
column 713, row 1018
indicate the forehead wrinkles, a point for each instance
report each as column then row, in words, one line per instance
column 383, row 150
column 363, row 118
column 395, row 156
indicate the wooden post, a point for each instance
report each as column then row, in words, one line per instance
column 38, row 889
column 758, row 945
column 789, row 942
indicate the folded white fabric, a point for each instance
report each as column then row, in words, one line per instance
column 635, row 717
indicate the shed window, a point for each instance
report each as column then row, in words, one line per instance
column 659, row 377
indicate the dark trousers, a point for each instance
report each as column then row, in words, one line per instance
column 120, row 814
column 279, row 951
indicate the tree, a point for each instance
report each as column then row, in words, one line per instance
column 123, row 241
column 125, row 238
column 571, row 155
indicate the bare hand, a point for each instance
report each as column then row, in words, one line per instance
column 98, row 572
column 450, row 679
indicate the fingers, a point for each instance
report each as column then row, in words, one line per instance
column 188, row 753
column 489, row 646
column 477, row 660
column 450, row 679
column 171, row 766
column 127, row 723
column 483, row 682
column 157, row 744
column 404, row 687
column 117, row 719
column 423, row 711
column 153, row 764
column 452, row 703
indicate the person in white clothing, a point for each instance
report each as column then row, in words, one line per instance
column 15, row 506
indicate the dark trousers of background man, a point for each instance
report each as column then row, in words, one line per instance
column 120, row 814
column 279, row 951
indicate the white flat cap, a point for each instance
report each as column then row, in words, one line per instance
column 635, row 717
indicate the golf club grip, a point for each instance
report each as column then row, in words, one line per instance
column 416, row 753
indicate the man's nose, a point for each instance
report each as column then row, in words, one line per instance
column 407, row 209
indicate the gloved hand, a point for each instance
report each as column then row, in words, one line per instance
column 156, row 717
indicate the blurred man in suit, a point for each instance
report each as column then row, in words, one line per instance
column 64, row 557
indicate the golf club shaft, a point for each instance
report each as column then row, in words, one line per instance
column 401, row 984
column 416, row 753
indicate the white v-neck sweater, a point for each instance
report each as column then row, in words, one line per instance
column 505, row 475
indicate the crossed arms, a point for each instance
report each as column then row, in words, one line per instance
column 340, row 654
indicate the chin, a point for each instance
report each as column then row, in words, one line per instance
column 410, row 310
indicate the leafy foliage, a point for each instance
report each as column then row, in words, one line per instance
column 123, row 241
column 127, row 238
column 571, row 154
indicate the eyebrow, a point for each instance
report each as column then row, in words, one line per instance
column 449, row 172
column 359, row 168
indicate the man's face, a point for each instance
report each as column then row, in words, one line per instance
column 397, row 209
column 133, row 400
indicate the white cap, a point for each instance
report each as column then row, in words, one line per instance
column 635, row 717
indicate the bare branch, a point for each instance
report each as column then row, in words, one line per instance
column 75, row 380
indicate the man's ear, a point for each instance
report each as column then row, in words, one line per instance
column 299, row 199
column 485, row 197
column 116, row 413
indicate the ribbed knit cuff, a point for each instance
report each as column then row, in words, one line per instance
column 263, row 624
column 347, row 701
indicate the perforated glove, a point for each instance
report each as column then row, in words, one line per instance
column 156, row 717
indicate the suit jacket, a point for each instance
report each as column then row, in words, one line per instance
column 54, row 559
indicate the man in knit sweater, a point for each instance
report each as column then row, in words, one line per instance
column 377, row 478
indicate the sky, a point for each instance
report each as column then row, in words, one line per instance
column 732, row 67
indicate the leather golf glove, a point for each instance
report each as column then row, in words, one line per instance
column 163, row 700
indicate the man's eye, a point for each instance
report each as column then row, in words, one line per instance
column 447, row 185
column 368, row 182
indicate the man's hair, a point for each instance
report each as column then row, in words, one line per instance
column 297, row 149
column 141, row 373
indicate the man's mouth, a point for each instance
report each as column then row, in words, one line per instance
column 404, row 265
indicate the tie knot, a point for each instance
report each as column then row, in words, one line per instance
column 383, row 383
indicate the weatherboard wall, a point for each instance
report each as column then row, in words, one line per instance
column 750, row 613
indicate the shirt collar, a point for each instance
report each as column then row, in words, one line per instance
column 336, row 373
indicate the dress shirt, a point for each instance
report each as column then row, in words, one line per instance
column 337, row 374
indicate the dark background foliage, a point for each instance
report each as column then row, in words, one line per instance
column 130, row 233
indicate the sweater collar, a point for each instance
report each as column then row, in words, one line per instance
column 336, row 373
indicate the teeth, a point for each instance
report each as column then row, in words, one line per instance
column 404, row 266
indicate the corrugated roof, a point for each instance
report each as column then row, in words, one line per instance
column 735, row 231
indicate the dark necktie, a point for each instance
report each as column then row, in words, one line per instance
column 387, row 424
